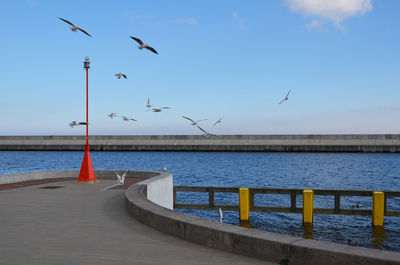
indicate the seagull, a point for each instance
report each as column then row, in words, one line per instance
column 143, row 45
column 358, row 205
column 121, row 74
column 286, row 98
column 164, row 169
column 127, row 119
column 121, row 179
column 74, row 28
column 193, row 122
column 159, row 109
column 112, row 115
column 206, row 134
column 73, row 124
column 148, row 103
column 220, row 216
column 218, row 121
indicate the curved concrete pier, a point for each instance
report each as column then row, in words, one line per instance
column 76, row 223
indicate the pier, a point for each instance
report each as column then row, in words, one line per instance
column 219, row 143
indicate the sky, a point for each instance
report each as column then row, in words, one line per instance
column 228, row 58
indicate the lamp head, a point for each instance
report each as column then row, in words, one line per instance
column 86, row 63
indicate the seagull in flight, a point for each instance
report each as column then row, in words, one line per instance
column 127, row 119
column 73, row 124
column 159, row 109
column 218, row 121
column 112, row 115
column 193, row 122
column 148, row 104
column 143, row 45
column 74, row 28
column 121, row 179
column 286, row 98
column 119, row 75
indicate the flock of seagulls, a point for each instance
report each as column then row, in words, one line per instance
column 149, row 107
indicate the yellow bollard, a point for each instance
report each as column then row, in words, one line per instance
column 244, row 204
column 378, row 199
column 308, row 206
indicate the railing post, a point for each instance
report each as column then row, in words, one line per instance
column 174, row 197
column 308, row 206
column 337, row 203
column 211, row 203
column 293, row 201
column 244, row 204
column 378, row 209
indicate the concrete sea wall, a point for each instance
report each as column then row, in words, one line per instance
column 235, row 143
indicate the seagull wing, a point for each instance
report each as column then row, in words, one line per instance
column 165, row 107
column 151, row 49
column 202, row 129
column 282, row 101
column 288, row 93
column 125, row 118
column 188, row 119
column 67, row 21
column 84, row 32
column 137, row 40
column 118, row 176
column 124, row 75
column 201, row 120
column 124, row 175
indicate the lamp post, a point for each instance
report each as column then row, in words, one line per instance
column 87, row 173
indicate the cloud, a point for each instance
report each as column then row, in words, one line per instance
column 333, row 10
column 242, row 22
column 190, row 21
column 32, row 3
column 136, row 17
column 235, row 15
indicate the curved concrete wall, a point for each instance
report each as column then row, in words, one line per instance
column 249, row 242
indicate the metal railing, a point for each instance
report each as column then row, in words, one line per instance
column 292, row 194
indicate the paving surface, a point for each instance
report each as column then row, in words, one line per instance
column 77, row 223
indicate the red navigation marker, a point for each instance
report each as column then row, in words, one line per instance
column 87, row 172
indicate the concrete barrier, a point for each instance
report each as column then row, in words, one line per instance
column 266, row 246
column 226, row 143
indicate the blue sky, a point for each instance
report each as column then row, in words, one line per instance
column 230, row 59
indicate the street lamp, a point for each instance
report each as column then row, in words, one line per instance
column 87, row 173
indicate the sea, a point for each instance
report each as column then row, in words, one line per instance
column 342, row 171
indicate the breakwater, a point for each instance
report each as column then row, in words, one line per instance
column 219, row 143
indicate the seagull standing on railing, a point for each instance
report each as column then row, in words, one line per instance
column 143, row 45
column 286, row 97
column 74, row 28
column 220, row 216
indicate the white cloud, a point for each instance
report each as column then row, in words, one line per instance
column 235, row 15
column 242, row 22
column 334, row 10
column 190, row 21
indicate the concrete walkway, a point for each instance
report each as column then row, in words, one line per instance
column 80, row 224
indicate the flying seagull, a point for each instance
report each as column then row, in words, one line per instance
column 193, row 122
column 73, row 124
column 148, row 103
column 121, row 74
column 74, row 28
column 143, row 45
column 127, row 119
column 112, row 115
column 286, row 98
column 159, row 109
column 121, row 179
column 218, row 121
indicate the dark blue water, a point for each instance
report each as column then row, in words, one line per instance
column 347, row 171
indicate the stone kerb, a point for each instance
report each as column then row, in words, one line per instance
column 249, row 242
